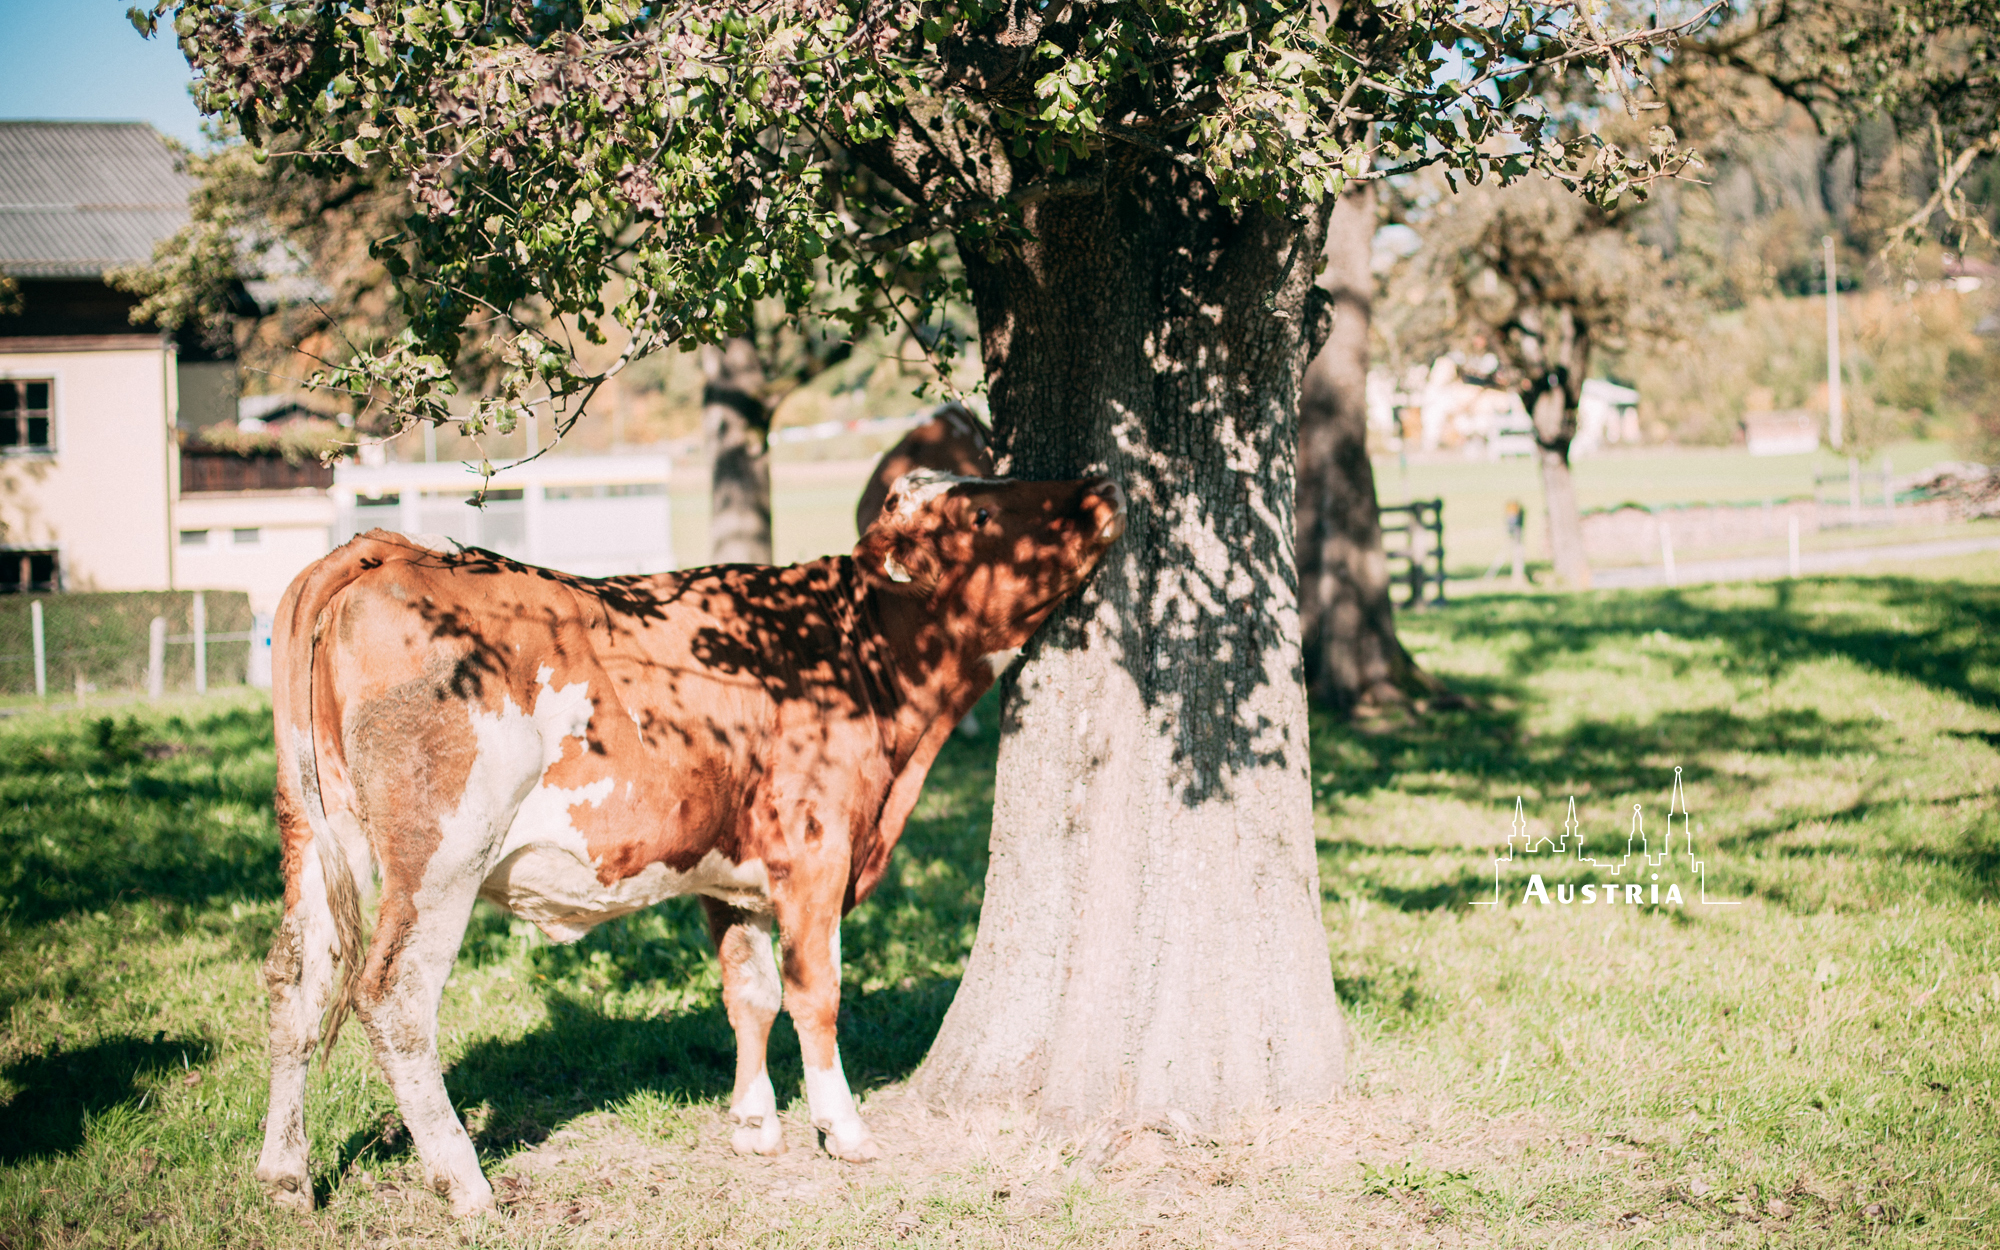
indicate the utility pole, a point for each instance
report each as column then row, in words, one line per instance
column 1832, row 348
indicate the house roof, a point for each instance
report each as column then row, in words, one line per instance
column 78, row 198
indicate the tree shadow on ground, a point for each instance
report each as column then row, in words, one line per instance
column 98, row 812
column 1936, row 634
column 519, row 1090
column 1465, row 754
column 61, row 1090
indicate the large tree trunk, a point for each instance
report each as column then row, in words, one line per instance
column 736, row 423
column 1150, row 938
column 1347, row 624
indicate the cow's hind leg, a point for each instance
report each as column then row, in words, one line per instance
column 436, row 815
column 416, row 942
column 299, row 976
column 751, row 993
column 810, row 924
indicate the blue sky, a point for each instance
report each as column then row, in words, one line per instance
column 81, row 60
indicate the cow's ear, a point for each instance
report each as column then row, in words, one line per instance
column 894, row 562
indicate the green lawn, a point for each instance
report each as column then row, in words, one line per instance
column 1814, row 1067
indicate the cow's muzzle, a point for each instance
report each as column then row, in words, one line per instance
column 1104, row 500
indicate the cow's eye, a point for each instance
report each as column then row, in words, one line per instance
column 981, row 517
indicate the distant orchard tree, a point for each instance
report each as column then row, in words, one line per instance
column 1539, row 282
column 1138, row 195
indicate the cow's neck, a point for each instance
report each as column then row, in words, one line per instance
column 926, row 675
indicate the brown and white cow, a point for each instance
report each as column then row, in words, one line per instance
column 573, row 749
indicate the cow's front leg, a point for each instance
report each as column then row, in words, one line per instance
column 751, row 994
column 811, row 929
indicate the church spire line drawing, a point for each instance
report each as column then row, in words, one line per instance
column 1538, row 853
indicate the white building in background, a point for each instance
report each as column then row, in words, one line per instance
column 1439, row 409
column 1607, row 416
column 89, row 402
column 251, row 540
column 598, row 516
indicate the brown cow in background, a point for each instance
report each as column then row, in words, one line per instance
column 952, row 441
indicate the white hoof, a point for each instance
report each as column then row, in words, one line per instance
column 856, row 1146
column 764, row 1135
column 470, row 1199
column 290, row 1191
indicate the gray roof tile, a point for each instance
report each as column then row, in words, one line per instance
column 77, row 198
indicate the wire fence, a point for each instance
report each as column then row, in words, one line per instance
column 149, row 641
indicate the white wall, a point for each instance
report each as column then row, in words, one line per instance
column 292, row 529
column 104, row 498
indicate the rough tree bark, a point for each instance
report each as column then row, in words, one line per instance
column 1553, row 395
column 1151, row 934
column 1353, row 658
column 737, row 424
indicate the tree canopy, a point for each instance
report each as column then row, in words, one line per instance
column 601, row 167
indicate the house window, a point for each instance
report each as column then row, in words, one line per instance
column 194, row 538
column 248, row 537
column 25, row 571
column 24, row 415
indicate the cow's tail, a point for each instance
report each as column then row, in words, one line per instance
column 295, row 636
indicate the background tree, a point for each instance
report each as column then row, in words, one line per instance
column 1137, row 193
column 1352, row 657
column 1542, row 282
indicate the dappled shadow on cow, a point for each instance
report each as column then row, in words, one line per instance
column 575, row 750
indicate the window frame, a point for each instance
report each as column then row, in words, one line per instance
column 53, row 448
column 53, row 551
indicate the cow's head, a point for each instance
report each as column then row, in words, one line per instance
column 990, row 557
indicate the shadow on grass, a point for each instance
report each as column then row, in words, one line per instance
column 520, row 1090
column 88, row 818
column 1936, row 634
column 1467, row 753
column 61, row 1090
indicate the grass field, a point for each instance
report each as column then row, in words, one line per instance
column 1813, row 1067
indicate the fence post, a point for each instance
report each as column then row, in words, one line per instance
column 1795, row 544
column 1437, row 547
column 1667, row 551
column 41, row 650
column 200, row 644
column 156, row 658
column 1889, row 489
column 1854, row 491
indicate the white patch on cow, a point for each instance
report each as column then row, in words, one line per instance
column 440, row 543
column 557, row 886
column 919, row 486
column 542, row 869
column 834, row 1113
column 762, row 987
column 759, row 1130
column 999, row 660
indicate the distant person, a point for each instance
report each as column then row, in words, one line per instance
column 1516, row 518
column 952, row 441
